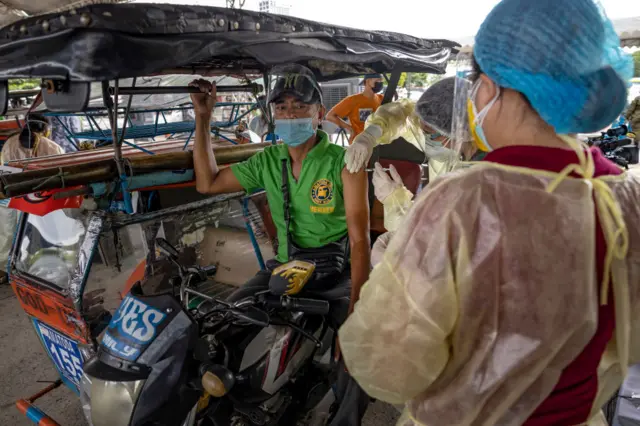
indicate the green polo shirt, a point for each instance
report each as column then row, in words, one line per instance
column 317, row 204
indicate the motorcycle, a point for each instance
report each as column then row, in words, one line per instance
column 617, row 144
column 184, row 358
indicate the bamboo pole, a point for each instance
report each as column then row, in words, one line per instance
column 18, row 184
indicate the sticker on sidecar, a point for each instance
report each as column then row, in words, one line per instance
column 132, row 328
column 63, row 352
column 119, row 348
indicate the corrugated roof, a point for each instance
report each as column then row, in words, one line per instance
column 627, row 28
column 630, row 39
column 629, row 31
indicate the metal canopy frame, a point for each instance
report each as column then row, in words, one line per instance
column 160, row 126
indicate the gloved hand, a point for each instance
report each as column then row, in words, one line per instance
column 383, row 184
column 379, row 247
column 359, row 152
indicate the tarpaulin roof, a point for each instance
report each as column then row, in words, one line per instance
column 108, row 41
column 14, row 10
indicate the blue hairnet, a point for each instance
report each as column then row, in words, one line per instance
column 435, row 106
column 563, row 55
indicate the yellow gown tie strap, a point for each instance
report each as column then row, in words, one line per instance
column 617, row 238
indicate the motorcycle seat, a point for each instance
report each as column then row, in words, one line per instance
column 342, row 290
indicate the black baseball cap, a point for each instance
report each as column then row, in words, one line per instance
column 368, row 76
column 295, row 80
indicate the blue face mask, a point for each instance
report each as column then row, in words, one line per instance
column 295, row 132
column 433, row 136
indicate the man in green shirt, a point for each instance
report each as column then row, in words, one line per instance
column 326, row 202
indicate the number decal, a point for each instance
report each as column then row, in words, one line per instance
column 33, row 299
column 63, row 352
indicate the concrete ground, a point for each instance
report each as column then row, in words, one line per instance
column 25, row 369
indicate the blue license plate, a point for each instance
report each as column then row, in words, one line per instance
column 63, row 352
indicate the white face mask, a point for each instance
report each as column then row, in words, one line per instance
column 476, row 118
column 438, row 150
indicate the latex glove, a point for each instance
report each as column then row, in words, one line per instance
column 379, row 247
column 383, row 184
column 396, row 206
column 359, row 152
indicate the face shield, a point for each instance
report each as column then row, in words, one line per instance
column 435, row 111
column 461, row 131
column 294, row 80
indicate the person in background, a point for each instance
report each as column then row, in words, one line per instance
column 434, row 111
column 426, row 124
column 32, row 141
column 315, row 203
column 510, row 294
column 260, row 124
column 59, row 134
column 633, row 116
column 357, row 108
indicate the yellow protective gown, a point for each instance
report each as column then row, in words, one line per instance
column 489, row 291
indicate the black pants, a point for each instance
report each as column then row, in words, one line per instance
column 353, row 401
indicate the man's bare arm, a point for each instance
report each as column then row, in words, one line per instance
column 333, row 117
column 337, row 112
column 357, row 209
column 209, row 178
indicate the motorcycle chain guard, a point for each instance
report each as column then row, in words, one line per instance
column 290, row 278
column 66, row 96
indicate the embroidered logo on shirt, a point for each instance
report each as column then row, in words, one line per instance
column 322, row 194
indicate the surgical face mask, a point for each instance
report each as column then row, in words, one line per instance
column 438, row 150
column 476, row 119
column 296, row 131
column 432, row 137
column 378, row 87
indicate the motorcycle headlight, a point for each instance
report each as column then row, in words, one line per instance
column 111, row 403
column 85, row 384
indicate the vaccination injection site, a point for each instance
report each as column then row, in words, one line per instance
column 336, row 213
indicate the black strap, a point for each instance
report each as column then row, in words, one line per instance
column 286, row 204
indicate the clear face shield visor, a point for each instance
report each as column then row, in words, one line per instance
column 296, row 81
column 447, row 140
column 461, row 130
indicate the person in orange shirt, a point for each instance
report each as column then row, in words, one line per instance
column 357, row 108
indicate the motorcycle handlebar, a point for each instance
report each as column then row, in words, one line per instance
column 307, row 306
column 210, row 270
